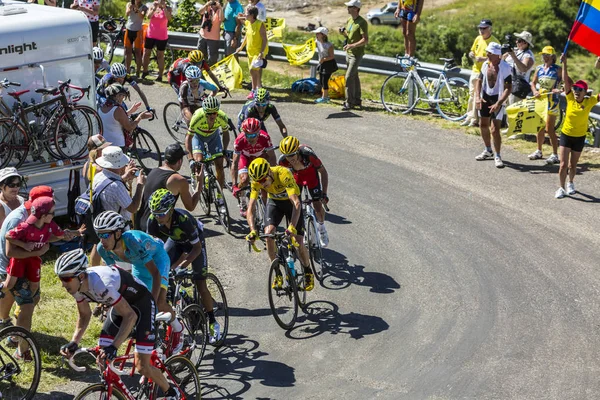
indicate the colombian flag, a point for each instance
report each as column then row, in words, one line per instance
column 586, row 29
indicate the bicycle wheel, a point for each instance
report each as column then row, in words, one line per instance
column 222, row 210
column 204, row 199
column 283, row 300
column 220, row 308
column 182, row 373
column 99, row 391
column 194, row 324
column 20, row 378
column 105, row 42
column 454, row 99
column 174, row 122
column 313, row 244
column 71, row 134
column 14, row 144
column 399, row 93
column 97, row 127
column 259, row 215
column 145, row 149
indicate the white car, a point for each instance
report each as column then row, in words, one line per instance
column 384, row 15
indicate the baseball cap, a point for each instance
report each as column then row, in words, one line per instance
column 353, row 3
column 581, row 84
column 40, row 206
column 38, row 191
column 494, row 48
column 548, row 50
column 97, row 142
column 174, row 152
column 485, row 23
column 322, row 30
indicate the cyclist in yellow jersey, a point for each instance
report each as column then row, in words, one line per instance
column 284, row 201
column 204, row 136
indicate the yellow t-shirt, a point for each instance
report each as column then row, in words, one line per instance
column 254, row 42
column 577, row 114
column 284, row 185
column 479, row 46
column 408, row 4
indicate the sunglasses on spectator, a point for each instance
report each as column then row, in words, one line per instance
column 104, row 235
column 66, row 279
column 262, row 104
column 14, row 184
column 577, row 89
column 521, row 41
column 160, row 214
column 251, row 135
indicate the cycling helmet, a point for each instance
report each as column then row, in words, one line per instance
column 258, row 169
column 193, row 72
column 71, row 263
column 109, row 221
column 196, row 56
column 251, row 126
column 118, row 70
column 289, row 145
column 262, row 95
column 115, row 89
column 211, row 104
column 162, row 200
column 110, row 25
column 98, row 54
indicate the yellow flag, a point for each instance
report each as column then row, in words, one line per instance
column 300, row 53
column 228, row 71
column 274, row 27
column 527, row 116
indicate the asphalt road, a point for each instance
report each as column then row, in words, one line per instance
column 449, row 278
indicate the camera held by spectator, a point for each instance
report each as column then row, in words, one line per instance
column 207, row 23
column 507, row 47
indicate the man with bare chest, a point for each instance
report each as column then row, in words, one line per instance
column 492, row 88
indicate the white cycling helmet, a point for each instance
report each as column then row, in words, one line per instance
column 71, row 263
column 98, row 54
column 211, row 104
column 109, row 221
column 118, row 70
column 193, row 72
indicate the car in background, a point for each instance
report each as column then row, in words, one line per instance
column 384, row 15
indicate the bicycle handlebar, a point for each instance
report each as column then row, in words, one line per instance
column 5, row 83
column 94, row 351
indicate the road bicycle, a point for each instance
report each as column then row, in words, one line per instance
column 53, row 126
column 311, row 235
column 111, row 35
column 259, row 210
column 400, row 92
column 19, row 379
column 211, row 190
column 142, row 146
column 286, row 282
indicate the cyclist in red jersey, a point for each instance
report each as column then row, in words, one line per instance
column 307, row 168
column 176, row 74
column 252, row 143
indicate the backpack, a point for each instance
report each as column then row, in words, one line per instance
column 88, row 209
column 307, row 85
column 337, row 87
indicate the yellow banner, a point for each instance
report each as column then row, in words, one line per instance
column 300, row 53
column 274, row 27
column 527, row 116
column 228, row 71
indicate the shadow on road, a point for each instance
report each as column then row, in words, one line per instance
column 343, row 114
column 336, row 219
column 324, row 316
column 531, row 168
column 339, row 275
column 228, row 373
column 586, row 198
column 246, row 312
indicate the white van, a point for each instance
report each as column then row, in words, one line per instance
column 40, row 46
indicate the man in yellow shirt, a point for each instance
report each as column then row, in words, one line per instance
column 574, row 130
column 478, row 54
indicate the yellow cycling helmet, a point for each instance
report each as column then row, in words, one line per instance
column 258, row 169
column 289, row 145
column 196, row 56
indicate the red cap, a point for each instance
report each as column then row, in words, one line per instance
column 40, row 207
column 581, row 84
column 38, row 191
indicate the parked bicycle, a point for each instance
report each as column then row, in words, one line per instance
column 141, row 145
column 19, row 377
column 53, row 126
column 311, row 235
column 401, row 91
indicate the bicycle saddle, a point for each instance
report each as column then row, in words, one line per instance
column 47, row 90
column 454, row 69
column 448, row 60
column 17, row 94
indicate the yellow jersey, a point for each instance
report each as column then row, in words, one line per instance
column 577, row 114
column 479, row 48
column 284, row 185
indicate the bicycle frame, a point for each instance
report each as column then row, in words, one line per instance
column 442, row 79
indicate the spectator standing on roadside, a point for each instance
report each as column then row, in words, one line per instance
column 95, row 145
column 492, row 88
column 262, row 11
column 231, row 33
column 210, row 31
column 327, row 64
column 478, row 55
column 10, row 184
column 521, row 61
column 356, row 32
column 157, row 35
column 257, row 47
column 409, row 12
column 90, row 8
column 546, row 80
column 574, row 130
column 134, row 41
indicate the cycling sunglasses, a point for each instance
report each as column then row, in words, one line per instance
column 67, row 279
column 104, row 235
column 160, row 214
column 291, row 155
column 263, row 180
column 262, row 104
column 251, row 135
